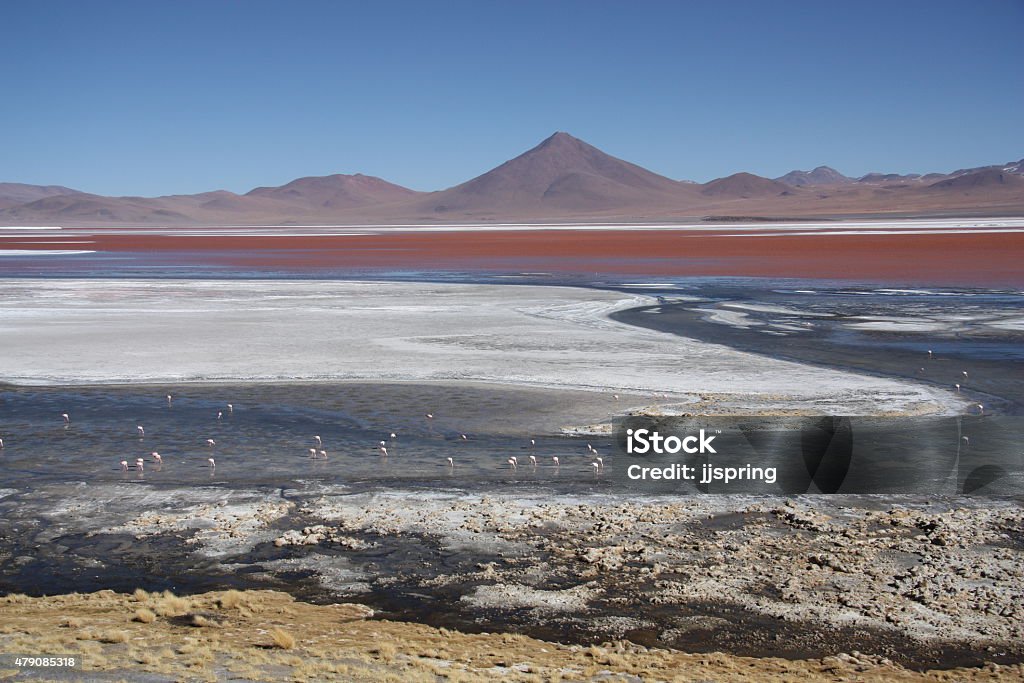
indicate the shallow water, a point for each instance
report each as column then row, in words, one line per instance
column 265, row 440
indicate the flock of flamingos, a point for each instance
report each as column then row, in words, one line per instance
column 317, row 451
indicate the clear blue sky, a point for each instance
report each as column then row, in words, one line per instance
column 164, row 97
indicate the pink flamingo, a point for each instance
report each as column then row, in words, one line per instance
column 312, row 452
column 981, row 409
column 319, row 441
column 957, row 388
column 512, row 463
column 141, row 431
column 67, row 420
column 554, row 459
column 322, row 454
column 219, row 414
column 124, row 465
column 168, row 400
column 231, row 409
column 140, row 464
column 1, row 444
column 211, row 462
column 451, row 463
column 533, row 461
column 156, row 458
column 383, row 451
column 464, row 437
column 599, row 462
column 211, row 443
column 597, row 468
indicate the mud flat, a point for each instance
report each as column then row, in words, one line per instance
column 915, row 584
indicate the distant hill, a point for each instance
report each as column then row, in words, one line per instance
column 822, row 175
column 336, row 191
column 988, row 178
column 12, row 194
column 744, row 185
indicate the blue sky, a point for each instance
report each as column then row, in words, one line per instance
column 149, row 97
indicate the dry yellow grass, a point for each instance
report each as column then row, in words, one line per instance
column 144, row 616
column 282, row 639
column 340, row 644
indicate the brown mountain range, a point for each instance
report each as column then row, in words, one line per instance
column 562, row 178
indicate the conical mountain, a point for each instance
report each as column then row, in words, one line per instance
column 560, row 174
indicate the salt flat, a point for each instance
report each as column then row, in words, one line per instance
column 117, row 331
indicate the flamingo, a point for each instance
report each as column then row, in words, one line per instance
column 140, row 464
column 1, row 444
column 383, row 451
column 590, row 449
column 597, row 468
column 966, row 440
column 231, row 409
column 533, row 444
column 615, row 396
column 533, row 461
column 211, row 443
column 464, row 437
column 383, row 443
column 957, row 388
column 319, row 441
column 393, row 436
column 67, row 420
column 429, row 416
column 451, row 463
column 211, row 463
column 929, row 354
column 124, row 465
column 219, row 415
column 512, row 463
column 156, row 458
column 312, row 452
column 322, row 454
column 141, row 431
column 964, row 373
column 981, row 409
column 554, row 459
column 599, row 462
column 168, row 400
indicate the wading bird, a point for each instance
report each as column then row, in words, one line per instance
column 319, row 441
column 554, row 458
column 140, row 464
column 124, row 465
column 451, row 463
column 1, row 444
column 383, row 451
column 512, row 463
column 156, row 457
column 219, row 415
column 312, row 452
column 981, row 409
column 211, row 443
column 533, row 460
column 67, row 420
column 210, row 462
column 168, row 399
column 957, row 388
column 322, row 454
column 231, row 409
column 599, row 462
column 141, row 431
column 597, row 468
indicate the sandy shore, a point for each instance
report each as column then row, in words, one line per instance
column 115, row 331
